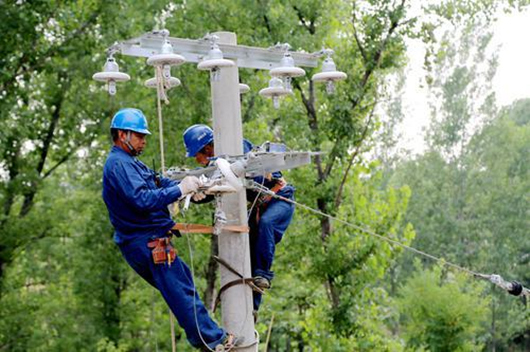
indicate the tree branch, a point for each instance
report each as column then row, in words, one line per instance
column 46, row 142
column 364, row 83
column 309, row 104
column 50, row 52
column 59, row 163
column 309, row 26
column 356, row 36
column 353, row 156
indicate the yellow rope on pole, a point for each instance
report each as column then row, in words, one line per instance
column 269, row 333
column 172, row 324
column 159, row 93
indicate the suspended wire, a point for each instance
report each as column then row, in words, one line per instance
column 249, row 213
column 513, row 288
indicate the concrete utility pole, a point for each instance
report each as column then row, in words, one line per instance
column 236, row 302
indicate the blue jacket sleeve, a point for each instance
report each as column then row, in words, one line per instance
column 167, row 182
column 135, row 189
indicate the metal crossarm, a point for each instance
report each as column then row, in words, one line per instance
column 194, row 50
column 255, row 164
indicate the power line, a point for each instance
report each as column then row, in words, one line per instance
column 513, row 288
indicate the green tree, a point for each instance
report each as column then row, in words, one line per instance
column 442, row 312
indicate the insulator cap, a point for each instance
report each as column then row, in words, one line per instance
column 111, row 65
column 287, row 71
column 166, row 59
column 329, row 76
column 287, row 68
column 210, row 64
column 173, row 82
column 271, row 92
column 111, row 72
column 111, row 76
column 329, row 65
column 243, row 88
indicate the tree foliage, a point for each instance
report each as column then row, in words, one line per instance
column 442, row 312
column 64, row 285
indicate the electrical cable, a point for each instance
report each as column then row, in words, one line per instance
column 160, row 91
column 257, row 196
column 513, row 287
column 195, row 294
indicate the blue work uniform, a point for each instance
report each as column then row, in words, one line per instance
column 137, row 203
column 268, row 222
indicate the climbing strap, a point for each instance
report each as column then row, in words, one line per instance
column 242, row 280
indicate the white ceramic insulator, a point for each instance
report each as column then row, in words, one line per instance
column 214, row 63
column 274, row 92
column 287, row 71
column 165, row 59
column 226, row 171
column 111, row 76
column 329, row 76
column 243, row 88
column 173, row 82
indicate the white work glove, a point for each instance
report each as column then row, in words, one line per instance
column 197, row 197
column 189, row 184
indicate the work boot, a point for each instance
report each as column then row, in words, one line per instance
column 262, row 282
column 228, row 344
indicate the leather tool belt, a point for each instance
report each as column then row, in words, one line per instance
column 162, row 250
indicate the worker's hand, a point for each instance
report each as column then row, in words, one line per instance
column 189, row 185
column 197, row 197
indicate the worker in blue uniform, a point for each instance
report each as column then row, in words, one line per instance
column 137, row 200
column 270, row 216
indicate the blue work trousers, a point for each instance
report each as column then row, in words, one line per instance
column 175, row 283
column 266, row 230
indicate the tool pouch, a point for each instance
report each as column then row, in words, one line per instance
column 162, row 251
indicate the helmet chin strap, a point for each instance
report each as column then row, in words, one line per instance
column 127, row 142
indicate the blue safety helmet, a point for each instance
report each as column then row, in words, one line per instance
column 197, row 137
column 130, row 120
